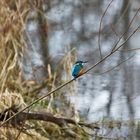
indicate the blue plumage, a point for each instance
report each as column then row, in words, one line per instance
column 76, row 69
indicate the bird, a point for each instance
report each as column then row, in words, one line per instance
column 78, row 69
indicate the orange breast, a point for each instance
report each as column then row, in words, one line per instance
column 81, row 72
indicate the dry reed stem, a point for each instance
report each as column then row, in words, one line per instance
column 11, row 38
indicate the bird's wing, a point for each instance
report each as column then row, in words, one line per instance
column 76, row 69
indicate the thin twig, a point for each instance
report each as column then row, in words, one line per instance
column 126, row 30
column 121, row 17
column 22, row 127
column 126, row 39
column 116, row 65
column 127, row 50
column 99, row 36
column 113, row 29
column 123, row 12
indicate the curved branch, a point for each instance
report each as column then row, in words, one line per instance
column 48, row 117
column 99, row 35
column 117, row 65
column 126, row 30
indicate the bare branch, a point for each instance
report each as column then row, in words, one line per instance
column 126, row 39
column 113, row 29
column 99, row 35
column 126, row 30
column 128, row 50
column 116, row 65
column 48, row 117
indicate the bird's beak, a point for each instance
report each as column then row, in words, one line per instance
column 85, row 61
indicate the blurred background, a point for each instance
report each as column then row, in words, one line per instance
column 47, row 37
column 72, row 35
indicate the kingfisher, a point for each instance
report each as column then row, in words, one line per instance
column 78, row 69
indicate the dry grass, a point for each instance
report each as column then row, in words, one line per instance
column 13, row 15
column 13, row 134
column 9, row 99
